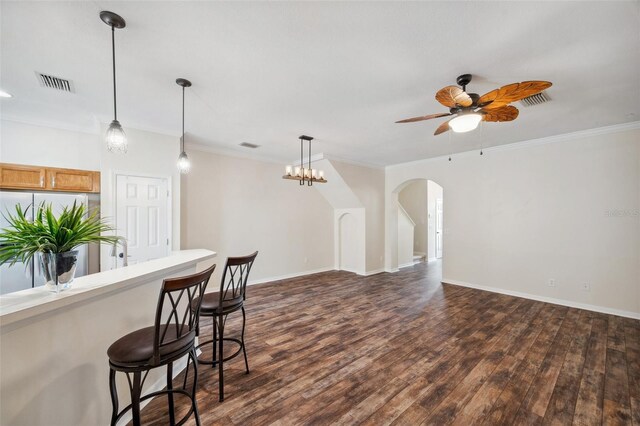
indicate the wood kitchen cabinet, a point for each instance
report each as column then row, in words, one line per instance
column 19, row 176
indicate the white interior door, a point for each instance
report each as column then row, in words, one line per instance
column 142, row 217
column 439, row 218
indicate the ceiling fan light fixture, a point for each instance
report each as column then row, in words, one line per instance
column 465, row 122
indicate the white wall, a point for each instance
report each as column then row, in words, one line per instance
column 23, row 143
column 406, row 229
column 414, row 200
column 235, row 206
column 368, row 185
column 434, row 191
column 351, row 237
column 149, row 154
column 521, row 215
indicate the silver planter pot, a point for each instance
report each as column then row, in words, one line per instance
column 58, row 269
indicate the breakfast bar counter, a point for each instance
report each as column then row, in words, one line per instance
column 53, row 362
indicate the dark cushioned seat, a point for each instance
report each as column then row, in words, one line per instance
column 210, row 303
column 136, row 348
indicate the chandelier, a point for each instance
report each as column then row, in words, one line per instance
column 302, row 174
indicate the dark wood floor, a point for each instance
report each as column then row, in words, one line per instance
column 336, row 348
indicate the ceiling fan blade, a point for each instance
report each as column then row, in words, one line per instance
column 511, row 93
column 442, row 128
column 503, row 113
column 425, row 117
column 451, row 96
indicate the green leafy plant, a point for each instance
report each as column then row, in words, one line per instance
column 50, row 234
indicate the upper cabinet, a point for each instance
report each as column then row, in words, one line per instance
column 18, row 176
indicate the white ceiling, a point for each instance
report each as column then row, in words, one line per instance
column 343, row 72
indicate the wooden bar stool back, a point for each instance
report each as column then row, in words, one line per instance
column 230, row 298
column 169, row 339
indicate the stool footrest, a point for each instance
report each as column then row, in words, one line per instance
column 226, row 339
column 162, row 392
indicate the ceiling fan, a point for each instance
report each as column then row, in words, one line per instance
column 470, row 109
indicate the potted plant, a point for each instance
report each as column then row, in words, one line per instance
column 54, row 238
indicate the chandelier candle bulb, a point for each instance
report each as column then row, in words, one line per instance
column 288, row 170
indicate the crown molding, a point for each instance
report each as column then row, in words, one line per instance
column 564, row 137
column 93, row 130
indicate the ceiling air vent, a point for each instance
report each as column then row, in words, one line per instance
column 537, row 99
column 249, row 145
column 56, row 83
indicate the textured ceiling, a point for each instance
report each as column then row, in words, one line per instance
column 343, row 72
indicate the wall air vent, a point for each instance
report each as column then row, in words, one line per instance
column 56, row 83
column 537, row 99
column 249, row 145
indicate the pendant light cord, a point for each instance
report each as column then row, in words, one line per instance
column 113, row 55
column 310, row 174
column 302, row 161
column 182, row 118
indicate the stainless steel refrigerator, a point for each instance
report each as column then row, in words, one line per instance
column 21, row 276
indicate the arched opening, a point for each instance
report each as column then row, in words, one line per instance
column 419, row 222
column 348, row 243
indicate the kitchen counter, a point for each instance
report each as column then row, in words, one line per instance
column 27, row 304
column 53, row 347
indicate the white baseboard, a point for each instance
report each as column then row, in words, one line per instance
column 374, row 272
column 293, row 275
column 404, row 265
column 391, row 270
column 431, row 259
column 420, row 253
column 562, row 302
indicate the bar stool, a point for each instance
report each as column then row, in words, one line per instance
column 229, row 299
column 171, row 338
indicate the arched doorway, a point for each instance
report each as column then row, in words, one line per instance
column 418, row 221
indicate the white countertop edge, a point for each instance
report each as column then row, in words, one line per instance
column 28, row 303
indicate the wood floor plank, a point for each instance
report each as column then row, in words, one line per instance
column 616, row 334
column 617, row 402
column 539, row 393
column 542, row 331
column 404, row 349
column 545, row 358
column 588, row 409
column 450, row 407
column 561, row 406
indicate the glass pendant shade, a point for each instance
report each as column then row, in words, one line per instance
column 115, row 138
column 184, row 165
column 465, row 123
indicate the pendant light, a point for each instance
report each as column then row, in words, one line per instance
column 184, row 165
column 115, row 137
column 301, row 174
